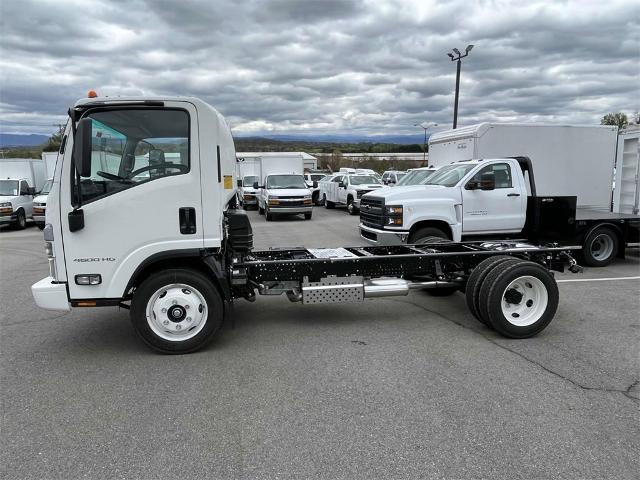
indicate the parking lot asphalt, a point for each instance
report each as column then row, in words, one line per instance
column 404, row 387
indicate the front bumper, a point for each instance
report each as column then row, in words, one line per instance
column 292, row 210
column 50, row 295
column 249, row 200
column 383, row 237
column 4, row 219
column 39, row 219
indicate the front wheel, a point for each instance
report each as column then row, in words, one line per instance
column 351, row 208
column 21, row 220
column 176, row 311
column 426, row 235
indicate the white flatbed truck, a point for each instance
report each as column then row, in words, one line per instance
column 180, row 269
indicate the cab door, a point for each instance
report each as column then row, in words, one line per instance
column 342, row 191
column 141, row 198
column 502, row 209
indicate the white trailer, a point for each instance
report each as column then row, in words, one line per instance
column 626, row 192
column 568, row 159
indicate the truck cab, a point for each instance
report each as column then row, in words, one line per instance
column 248, row 194
column 478, row 197
column 16, row 202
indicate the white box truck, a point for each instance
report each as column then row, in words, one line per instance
column 20, row 179
column 180, row 270
column 247, row 172
column 282, row 188
column 485, row 188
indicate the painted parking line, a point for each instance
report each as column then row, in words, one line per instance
column 607, row 279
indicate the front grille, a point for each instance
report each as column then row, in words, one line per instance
column 372, row 212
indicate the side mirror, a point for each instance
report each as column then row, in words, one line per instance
column 315, row 184
column 82, row 148
column 341, row 185
column 239, row 183
column 255, row 185
column 488, row 181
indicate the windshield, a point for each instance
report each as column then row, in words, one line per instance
column 9, row 187
column 249, row 180
column 400, row 176
column 47, row 187
column 316, row 177
column 363, row 180
column 417, row 177
column 449, row 176
column 285, row 181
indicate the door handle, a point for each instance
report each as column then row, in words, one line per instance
column 513, row 195
column 187, row 220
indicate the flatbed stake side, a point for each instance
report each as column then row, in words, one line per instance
column 144, row 214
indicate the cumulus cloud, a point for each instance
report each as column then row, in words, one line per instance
column 330, row 66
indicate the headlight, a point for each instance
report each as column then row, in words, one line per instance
column 5, row 204
column 307, row 197
column 394, row 210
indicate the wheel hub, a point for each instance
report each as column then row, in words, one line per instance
column 176, row 313
column 513, row 296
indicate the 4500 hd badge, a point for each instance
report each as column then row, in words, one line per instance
column 94, row 259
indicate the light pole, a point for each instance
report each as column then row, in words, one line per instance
column 458, row 58
column 425, row 126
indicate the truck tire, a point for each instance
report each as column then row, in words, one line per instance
column 351, row 207
column 260, row 210
column 21, row 220
column 323, row 201
column 307, row 216
column 600, row 247
column 519, row 299
column 315, row 198
column 268, row 215
column 328, row 205
column 472, row 291
column 425, row 235
column 176, row 311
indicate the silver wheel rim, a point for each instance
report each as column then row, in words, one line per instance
column 602, row 246
column 177, row 312
column 524, row 301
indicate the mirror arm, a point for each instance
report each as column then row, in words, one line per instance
column 77, row 204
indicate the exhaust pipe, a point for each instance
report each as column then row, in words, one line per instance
column 398, row 287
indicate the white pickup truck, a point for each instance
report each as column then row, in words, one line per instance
column 347, row 189
column 486, row 198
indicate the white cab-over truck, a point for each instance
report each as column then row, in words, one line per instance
column 347, row 189
column 168, row 240
column 248, row 172
column 493, row 197
column 282, row 188
column 20, row 179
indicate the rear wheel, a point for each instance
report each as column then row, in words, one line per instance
column 600, row 247
column 176, row 311
column 315, row 198
column 426, row 235
column 519, row 299
column 329, row 205
column 472, row 291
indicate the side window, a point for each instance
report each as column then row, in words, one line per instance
column 337, row 179
column 502, row 173
column 24, row 187
column 385, row 177
column 130, row 147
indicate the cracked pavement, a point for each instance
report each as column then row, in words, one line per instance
column 403, row 387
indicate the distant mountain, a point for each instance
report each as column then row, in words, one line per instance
column 18, row 140
column 340, row 138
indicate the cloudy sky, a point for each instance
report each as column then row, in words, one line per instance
column 326, row 66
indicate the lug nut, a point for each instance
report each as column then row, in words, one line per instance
column 187, row 307
column 166, row 322
column 178, row 327
column 188, row 319
column 164, row 310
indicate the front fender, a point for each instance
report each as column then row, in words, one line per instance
column 431, row 209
